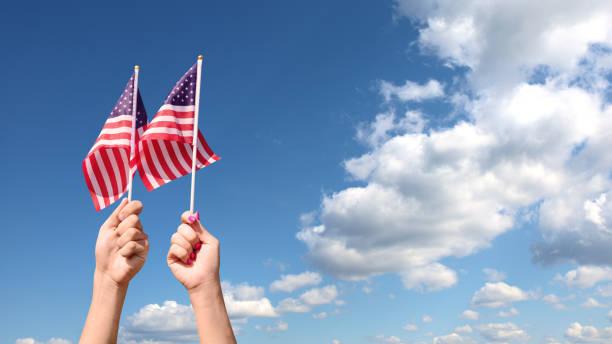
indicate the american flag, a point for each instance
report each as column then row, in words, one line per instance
column 166, row 147
column 107, row 165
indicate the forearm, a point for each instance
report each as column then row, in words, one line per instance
column 102, row 321
column 211, row 315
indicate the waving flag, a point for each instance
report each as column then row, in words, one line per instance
column 166, row 147
column 107, row 166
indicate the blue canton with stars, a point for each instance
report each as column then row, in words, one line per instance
column 183, row 93
column 124, row 104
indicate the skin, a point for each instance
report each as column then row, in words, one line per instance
column 198, row 270
column 121, row 251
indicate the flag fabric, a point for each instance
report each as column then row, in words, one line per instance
column 107, row 165
column 166, row 148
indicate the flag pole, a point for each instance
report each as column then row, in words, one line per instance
column 133, row 139
column 195, row 131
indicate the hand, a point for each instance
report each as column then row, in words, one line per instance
column 122, row 246
column 193, row 257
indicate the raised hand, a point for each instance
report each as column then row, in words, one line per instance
column 194, row 254
column 122, row 246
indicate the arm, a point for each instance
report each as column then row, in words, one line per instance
column 194, row 260
column 121, row 251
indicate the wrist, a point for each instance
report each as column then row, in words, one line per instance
column 206, row 291
column 104, row 283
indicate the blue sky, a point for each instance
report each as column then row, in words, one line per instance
column 391, row 172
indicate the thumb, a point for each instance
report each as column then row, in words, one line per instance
column 113, row 219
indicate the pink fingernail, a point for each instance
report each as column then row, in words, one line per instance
column 192, row 256
column 197, row 246
column 198, row 214
column 188, row 261
column 191, row 218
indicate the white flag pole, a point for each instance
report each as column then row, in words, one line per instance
column 133, row 139
column 195, row 131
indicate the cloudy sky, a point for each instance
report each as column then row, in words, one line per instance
column 392, row 171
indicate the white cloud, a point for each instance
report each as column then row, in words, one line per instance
column 539, row 147
column 411, row 91
column 289, row 283
column 585, row 276
column 50, row 341
column 605, row 291
column 244, row 301
column 494, row 275
column 391, row 339
column 452, row 338
column 308, row 300
column 410, row 327
column 366, row 289
column 321, row 315
column 469, row 315
column 502, row 41
column 464, row 329
column 339, row 302
column 431, row 277
column 578, row 333
column 511, row 312
column 319, row 296
column 495, row 295
column 279, row 327
column 170, row 322
column 554, row 300
column 592, row 303
column 610, row 316
column 427, row 319
column 502, row 332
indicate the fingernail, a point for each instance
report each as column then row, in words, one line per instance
column 192, row 256
column 198, row 214
column 191, row 218
column 188, row 261
column 197, row 246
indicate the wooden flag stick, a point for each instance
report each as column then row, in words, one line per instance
column 195, row 132
column 133, row 139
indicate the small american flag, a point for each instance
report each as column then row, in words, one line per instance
column 107, row 165
column 166, row 147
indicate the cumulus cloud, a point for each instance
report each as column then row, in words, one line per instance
column 427, row 319
column 410, row 327
column 464, row 329
column 289, row 283
column 452, row 338
column 321, row 315
column 585, row 276
column 592, row 303
column 495, row 295
column 50, row 341
column 494, row 275
column 554, row 300
column 578, row 333
column 279, row 327
column 426, row 193
column 170, row 322
column 308, row 300
column 469, row 315
column 511, row 312
column 244, row 301
column 391, row 339
column 411, row 91
column 502, row 332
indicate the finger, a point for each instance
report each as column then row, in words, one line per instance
column 202, row 233
column 133, row 207
column 134, row 248
column 187, row 232
column 113, row 220
column 131, row 234
column 178, row 239
column 177, row 252
column 132, row 221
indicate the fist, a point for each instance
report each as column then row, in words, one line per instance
column 122, row 246
column 193, row 257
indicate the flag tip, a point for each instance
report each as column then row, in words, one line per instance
column 136, row 67
column 200, row 57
